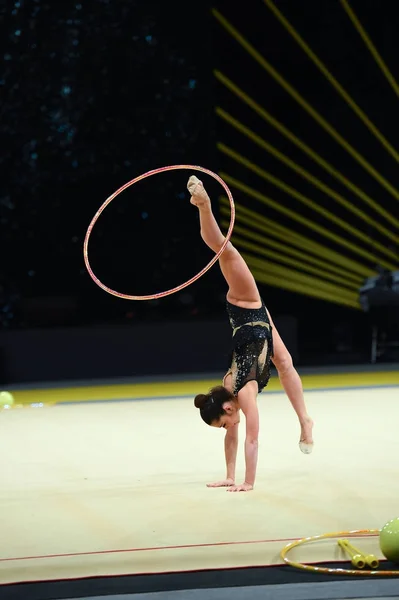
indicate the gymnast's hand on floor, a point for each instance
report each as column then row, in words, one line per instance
column 223, row 483
column 244, row 487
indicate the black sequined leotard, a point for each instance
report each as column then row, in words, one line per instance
column 252, row 346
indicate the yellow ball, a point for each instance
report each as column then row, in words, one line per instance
column 6, row 399
column 389, row 540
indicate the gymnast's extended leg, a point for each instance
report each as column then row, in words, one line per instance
column 242, row 286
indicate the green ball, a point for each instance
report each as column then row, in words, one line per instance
column 6, row 399
column 389, row 540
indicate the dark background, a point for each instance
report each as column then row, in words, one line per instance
column 95, row 93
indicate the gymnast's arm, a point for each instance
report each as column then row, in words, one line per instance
column 231, row 437
column 230, row 451
column 247, row 399
column 230, row 446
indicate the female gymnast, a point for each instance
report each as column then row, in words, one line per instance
column 256, row 342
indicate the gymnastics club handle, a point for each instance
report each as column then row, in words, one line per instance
column 358, row 560
column 371, row 560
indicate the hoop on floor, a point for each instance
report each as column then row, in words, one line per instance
column 331, row 571
column 132, row 182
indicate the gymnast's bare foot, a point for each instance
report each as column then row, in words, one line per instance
column 199, row 197
column 306, row 441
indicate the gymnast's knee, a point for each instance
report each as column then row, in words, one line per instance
column 283, row 363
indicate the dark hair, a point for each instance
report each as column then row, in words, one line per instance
column 211, row 404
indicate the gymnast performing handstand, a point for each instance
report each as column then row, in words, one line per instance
column 255, row 343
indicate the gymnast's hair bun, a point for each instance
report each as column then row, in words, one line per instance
column 200, row 400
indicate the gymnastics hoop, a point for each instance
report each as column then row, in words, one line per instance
column 329, row 571
column 132, row 182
